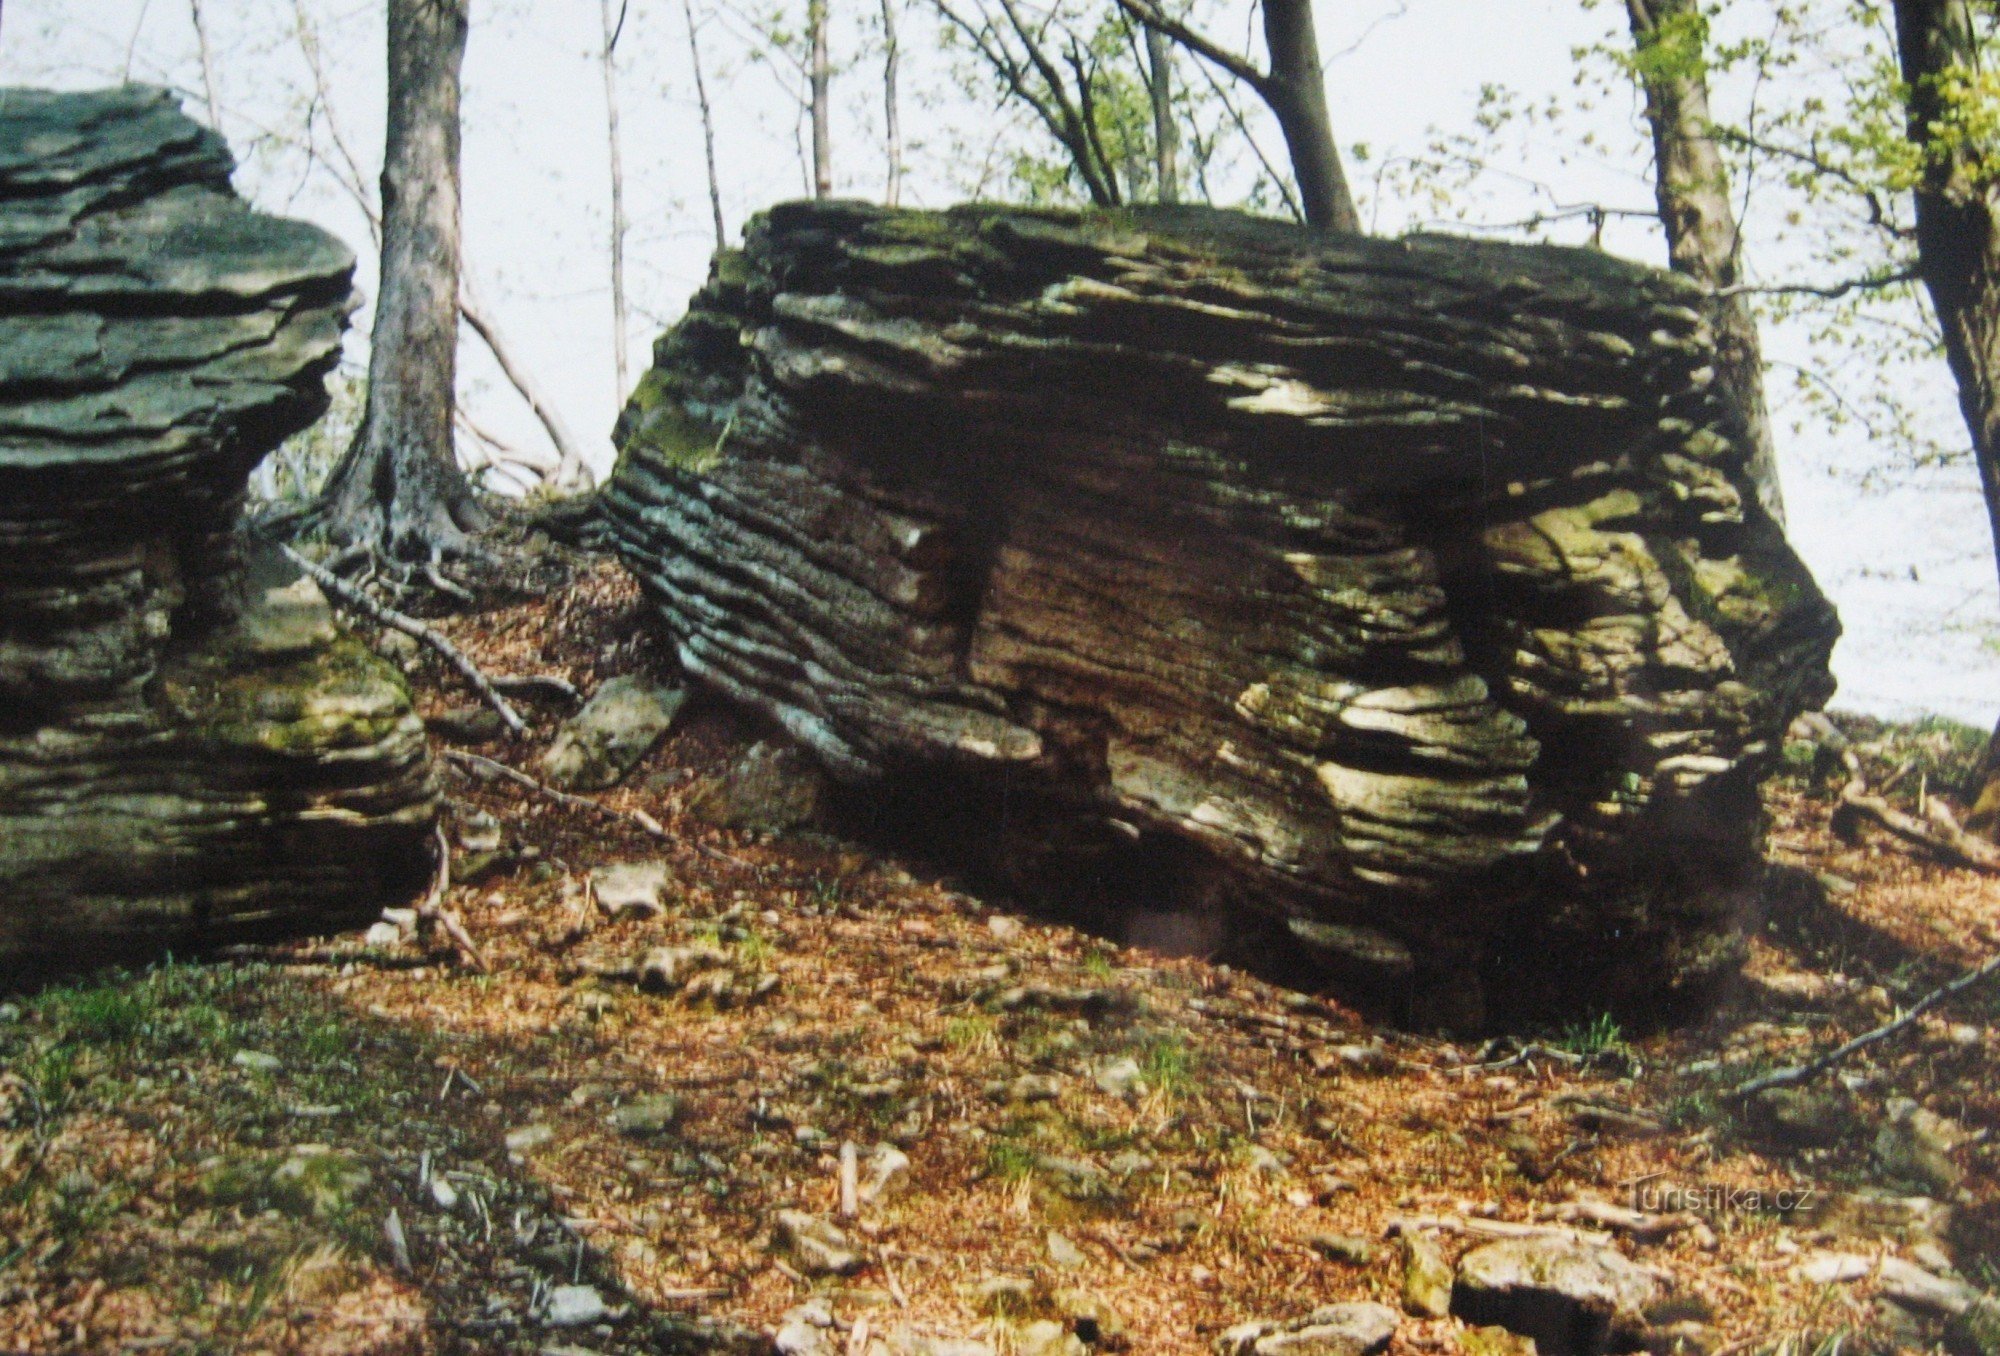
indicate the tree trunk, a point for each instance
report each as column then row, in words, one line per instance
column 892, row 126
column 821, row 77
column 399, row 488
column 1958, row 249
column 618, row 322
column 1296, row 92
column 1692, row 187
column 1166, row 137
column 707, row 129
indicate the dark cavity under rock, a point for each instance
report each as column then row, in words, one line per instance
column 1177, row 557
column 190, row 752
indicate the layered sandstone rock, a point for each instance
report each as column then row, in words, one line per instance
column 189, row 750
column 1410, row 591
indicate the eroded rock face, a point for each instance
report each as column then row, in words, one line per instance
column 1409, row 586
column 190, row 752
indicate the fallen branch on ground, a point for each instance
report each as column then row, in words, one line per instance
column 1941, row 836
column 650, row 825
column 1492, row 1228
column 1639, row 1225
column 383, row 615
column 495, row 767
column 538, row 682
column 433, row 911
column 1801, row 1073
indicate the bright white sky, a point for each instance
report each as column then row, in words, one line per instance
column 1908, row 564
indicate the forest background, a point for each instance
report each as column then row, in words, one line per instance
column 1514, row 118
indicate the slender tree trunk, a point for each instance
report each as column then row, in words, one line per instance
column 399, row 488
column 1166, row 137
column 612, row 28
column 707, row 128
column 207, row 64
column 821, row 75
column 1296, row 92
column 1691, row 185
column 1958, row 251
column 892, row 127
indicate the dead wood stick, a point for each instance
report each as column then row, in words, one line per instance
column 1492, row 1228
column 1800, row 1073
column 1638, row 1224
column 1941, row 836
column 538, row 682
column 850, row 1195
column 410, row 626
column 432, row 910
column 645, row 821
column 564, row 798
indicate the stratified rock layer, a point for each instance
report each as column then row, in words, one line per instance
column 187, row 756
column 1410, row 587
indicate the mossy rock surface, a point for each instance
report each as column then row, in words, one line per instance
column 185, row 758
column 1182, row 559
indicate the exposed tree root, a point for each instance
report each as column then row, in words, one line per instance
column 355, row 598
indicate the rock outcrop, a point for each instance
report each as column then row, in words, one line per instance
column 1408, row 590
column 190, row 752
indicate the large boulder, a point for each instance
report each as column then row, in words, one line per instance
column 190, row 752
column 1413, row 586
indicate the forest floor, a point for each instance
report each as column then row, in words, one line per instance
column 367, row 1145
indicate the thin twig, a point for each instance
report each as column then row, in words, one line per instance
column 646, row 822
column 410, row 626
column 1801, row 1073
column 1872, row 282
column 499, row 769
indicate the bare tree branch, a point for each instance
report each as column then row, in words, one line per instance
column 1277, row 176
column 1201, row 45
column 384, row 615
column 1873, row 282
column 1813, row 1068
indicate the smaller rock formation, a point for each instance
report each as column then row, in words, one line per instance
column 1356, row 1329
column 190, row 750
column 606, row 739
column 1574, row 1299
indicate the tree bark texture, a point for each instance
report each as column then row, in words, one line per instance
column 1958, row 254
column 190, row 752
column 892, row 111
column 399, row 487
column 1402, row 592
column 820, row 78
column 1691, row 185
column 1166, row 135
column 1296, row 92
column 612, row 28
